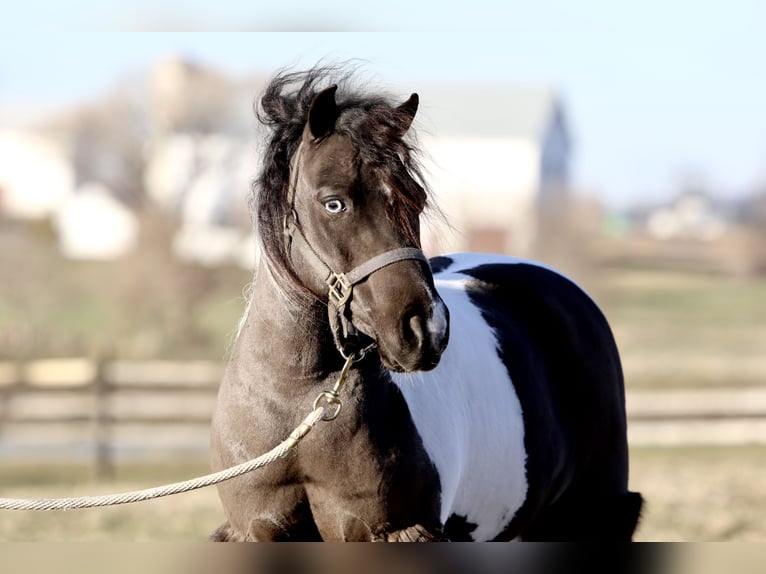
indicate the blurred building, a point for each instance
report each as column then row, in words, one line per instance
column 496, row 157
column 201, row 161
column 36, row 175
column 92, row 224
column 697, row 230
column 692, row 215
column 498, row 162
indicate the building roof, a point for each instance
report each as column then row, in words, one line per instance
column 524, row 112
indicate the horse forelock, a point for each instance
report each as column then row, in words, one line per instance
column 374, row 125
column 375, row 128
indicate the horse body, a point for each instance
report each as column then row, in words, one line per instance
column 517, row 416
column 515, row 429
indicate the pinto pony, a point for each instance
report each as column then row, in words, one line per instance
column 485, row 396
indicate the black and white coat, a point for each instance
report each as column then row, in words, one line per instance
column 518, row 416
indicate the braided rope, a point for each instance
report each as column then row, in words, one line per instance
column 276, row 453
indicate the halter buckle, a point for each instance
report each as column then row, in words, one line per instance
column 339, row 289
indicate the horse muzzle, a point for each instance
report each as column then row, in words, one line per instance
column 422, row 339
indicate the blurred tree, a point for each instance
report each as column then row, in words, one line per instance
column 756, row 210
column 188, row 97
column 107, row 140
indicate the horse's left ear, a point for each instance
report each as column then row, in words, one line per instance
column 409, row 109
column 323, row 112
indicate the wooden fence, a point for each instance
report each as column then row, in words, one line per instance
column 105, row 409
column 110, row 409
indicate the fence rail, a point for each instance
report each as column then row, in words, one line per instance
column 106, row 408
column 110, row 408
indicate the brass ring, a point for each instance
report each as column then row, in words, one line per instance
column 332, row 399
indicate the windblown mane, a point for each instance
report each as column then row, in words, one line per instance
column 372, row 122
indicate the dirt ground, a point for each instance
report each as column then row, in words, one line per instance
column 701, row 493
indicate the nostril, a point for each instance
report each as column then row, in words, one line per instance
column 423, row 337
column 427, row 333
column 415, row 333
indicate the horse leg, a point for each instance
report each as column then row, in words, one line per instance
column 416, row 533
column 271, row 530
column 297, row 528
column 225, row 533
column 259, row 530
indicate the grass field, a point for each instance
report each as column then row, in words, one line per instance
column 692, row 494
column 679, row 329
column 701, row 493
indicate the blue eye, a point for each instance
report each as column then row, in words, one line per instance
column 334, row 206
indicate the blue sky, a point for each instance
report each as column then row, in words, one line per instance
column 656, row 91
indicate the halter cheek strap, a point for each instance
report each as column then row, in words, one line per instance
column 340, row 286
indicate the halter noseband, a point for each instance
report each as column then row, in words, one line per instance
column 340, row 286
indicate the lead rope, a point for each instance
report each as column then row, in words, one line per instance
column 322, row 412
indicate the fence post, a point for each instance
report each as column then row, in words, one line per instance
column 102, row 423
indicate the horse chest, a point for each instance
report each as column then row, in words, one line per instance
column 470, row 421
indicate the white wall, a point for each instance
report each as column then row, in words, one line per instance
column 93, row 225
column 35, row 175
column 479, row 182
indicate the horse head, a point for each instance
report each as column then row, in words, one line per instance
column 353, row 232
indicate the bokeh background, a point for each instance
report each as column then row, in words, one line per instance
column 626, row 146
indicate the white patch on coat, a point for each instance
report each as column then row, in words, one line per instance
column 469, row 417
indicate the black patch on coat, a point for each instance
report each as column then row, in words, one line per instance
column 459, row 529
column 561, row 356
column 440, row 263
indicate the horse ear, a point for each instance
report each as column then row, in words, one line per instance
column 409, row 109
column 323, row 112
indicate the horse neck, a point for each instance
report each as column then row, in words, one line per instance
column 294, row 344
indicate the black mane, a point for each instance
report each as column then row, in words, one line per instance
column 374, row 125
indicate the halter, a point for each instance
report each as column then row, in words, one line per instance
column 340, row 286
